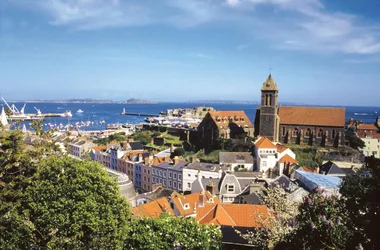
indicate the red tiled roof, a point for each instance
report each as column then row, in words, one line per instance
column 367, row 127
column 99, row 148
column 287, row 159
column 316, row 116
column 280, row 148
column 192, row 200
column 223, row 118
column 153, row 209
column 264, row 142
column 241, row 215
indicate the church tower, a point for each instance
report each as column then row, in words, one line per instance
column 269, row 119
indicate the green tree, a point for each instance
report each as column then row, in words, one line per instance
column 361, row 197
column 276, row 228
column 169, row 232
column 322, row 223
column 75, row 204
column 179, row 151
column 354, row 141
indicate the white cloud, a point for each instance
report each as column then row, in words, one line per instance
column 286, row 24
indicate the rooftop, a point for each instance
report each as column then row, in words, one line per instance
column 323, row 181
column 235, row 157
column 264, row 142
column 269, row 84
column 224, row 118
column 317, row 116
column 241, row 215
column 153, row 209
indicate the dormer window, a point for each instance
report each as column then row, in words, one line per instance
column 186, row 206
column 295, row 132
column 211, row 200
column 230, row 188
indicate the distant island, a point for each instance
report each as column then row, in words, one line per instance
column 87, row 100
column 137, row 101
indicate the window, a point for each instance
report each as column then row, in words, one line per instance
column 320, row 133
column 170, row 174
column 161, row 181
column 333, row 134
column 307, row 133
column 170, row 183
column 148, row 171
column 189, row 185
column 174, row 184
column 164, row 174
column 154, row 179
column 144, row 178
column 189, row 175
column 164, row 183
column 175, row 176
column 160, row 173
column 295, row 132
column 230, row 188
column 179, row 176
column 179, row 185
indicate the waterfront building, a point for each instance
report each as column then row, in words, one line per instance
column 297, row 125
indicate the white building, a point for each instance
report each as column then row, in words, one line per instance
column 272, row 158
column 80, row 148
column 199, row 170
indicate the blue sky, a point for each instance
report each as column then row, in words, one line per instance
column 320, row 52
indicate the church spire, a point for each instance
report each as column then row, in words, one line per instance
column 269, row 84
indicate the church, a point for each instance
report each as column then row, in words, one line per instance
column 320, row 126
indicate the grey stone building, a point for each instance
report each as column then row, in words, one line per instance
column 323, row 126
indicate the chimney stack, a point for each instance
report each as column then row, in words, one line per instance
column 211, row 188
column 202, row 199
column 175, row 160
column 146, row 161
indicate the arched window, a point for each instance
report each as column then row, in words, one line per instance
column 283, row 131
column 266, row 99
column 320, row 133
column 270, row 100
column 333, row 134
column 295, row 132
column 307, row 132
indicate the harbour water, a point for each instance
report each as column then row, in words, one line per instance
column 111, row 113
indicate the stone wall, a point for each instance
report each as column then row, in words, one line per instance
column 311, row 135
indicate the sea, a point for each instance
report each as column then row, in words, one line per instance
column 110, row 113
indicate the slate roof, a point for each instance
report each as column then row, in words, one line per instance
column 236, row 157
column 253, row 198
column 180, row 165
column 204, row 166
column 136, row 145
column 313, row 116
column 330, row 168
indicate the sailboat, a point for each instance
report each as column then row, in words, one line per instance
column 3, row 118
